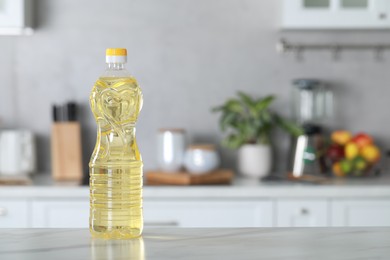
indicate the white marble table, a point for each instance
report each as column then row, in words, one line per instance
column 246, row 243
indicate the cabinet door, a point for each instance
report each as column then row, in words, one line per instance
column 14, row 214
column 16, row 17
column 208, row 213
column 302, row 213
column 361, row 213
column 11, row 13
column 335, row 14
column 60, row 213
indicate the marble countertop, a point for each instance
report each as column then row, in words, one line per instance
column 244, row 243
column 44, row 187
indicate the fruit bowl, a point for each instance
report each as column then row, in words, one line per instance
column 352, row 155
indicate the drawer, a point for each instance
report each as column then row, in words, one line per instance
column 361, row 213
column 60, row 213
column 14, row 214
column 208, row 213
column 302, row 213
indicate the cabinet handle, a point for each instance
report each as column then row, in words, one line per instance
column 305, row 211
column 162, row 223
column 3, row 212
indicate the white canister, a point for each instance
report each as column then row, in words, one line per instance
column 201, row 159
column 170, row 149
column 17, row 153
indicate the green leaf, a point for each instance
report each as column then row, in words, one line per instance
column 266, row 117
column 227, row 120
column 288, row 126
column 233, row 105
column 250, row 133
column 264, row 103
column 264, row 137
column 233, row 141
column 246, row 100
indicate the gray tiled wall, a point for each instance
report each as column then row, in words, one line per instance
column 188, row 55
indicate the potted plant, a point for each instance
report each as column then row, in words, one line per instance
column 249, row 124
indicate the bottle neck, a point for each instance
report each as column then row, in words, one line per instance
column 115, row 66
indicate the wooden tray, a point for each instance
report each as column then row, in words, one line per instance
column 221, row 176
column 22, row 180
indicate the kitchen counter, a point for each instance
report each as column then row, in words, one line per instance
column 379, row 187
column 244, row 243
column 245, row 203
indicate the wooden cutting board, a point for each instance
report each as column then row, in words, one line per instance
column 220, row 176
column 22, row 180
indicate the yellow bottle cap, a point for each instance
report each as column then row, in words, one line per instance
column 116, row 55
column 116, row 52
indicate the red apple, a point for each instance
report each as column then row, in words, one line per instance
column 335, row 153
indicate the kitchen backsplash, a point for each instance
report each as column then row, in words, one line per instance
column 188, row 57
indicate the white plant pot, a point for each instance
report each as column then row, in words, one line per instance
column 254, row 160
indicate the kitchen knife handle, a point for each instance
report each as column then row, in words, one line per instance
column 71, row 109
column 55, row 113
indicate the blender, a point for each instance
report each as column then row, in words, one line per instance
column 312, row 104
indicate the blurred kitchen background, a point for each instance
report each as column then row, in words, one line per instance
column 188, row 57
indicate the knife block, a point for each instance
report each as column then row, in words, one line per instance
column 66, row 151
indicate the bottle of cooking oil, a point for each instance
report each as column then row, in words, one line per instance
column 116, row 164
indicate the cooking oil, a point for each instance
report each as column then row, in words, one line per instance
column 116, row 164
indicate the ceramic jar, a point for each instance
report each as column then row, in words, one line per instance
column 170, row 149
column 200, row 159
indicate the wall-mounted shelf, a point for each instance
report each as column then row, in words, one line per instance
column 283, row 46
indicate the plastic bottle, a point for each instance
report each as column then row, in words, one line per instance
column 116, row 166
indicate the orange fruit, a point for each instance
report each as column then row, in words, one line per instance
column 337, row 171
column 341, row 137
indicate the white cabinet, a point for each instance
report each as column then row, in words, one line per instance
column 60, row 213
column 209, row 213
column 187, row 213
column 336, row 14
column 15, row 17
column 52, row 209
column 302, row 213
column 14, row 214
column 361, row 213
column 57, row 213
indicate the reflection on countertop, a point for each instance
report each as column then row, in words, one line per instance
column 200, row 243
